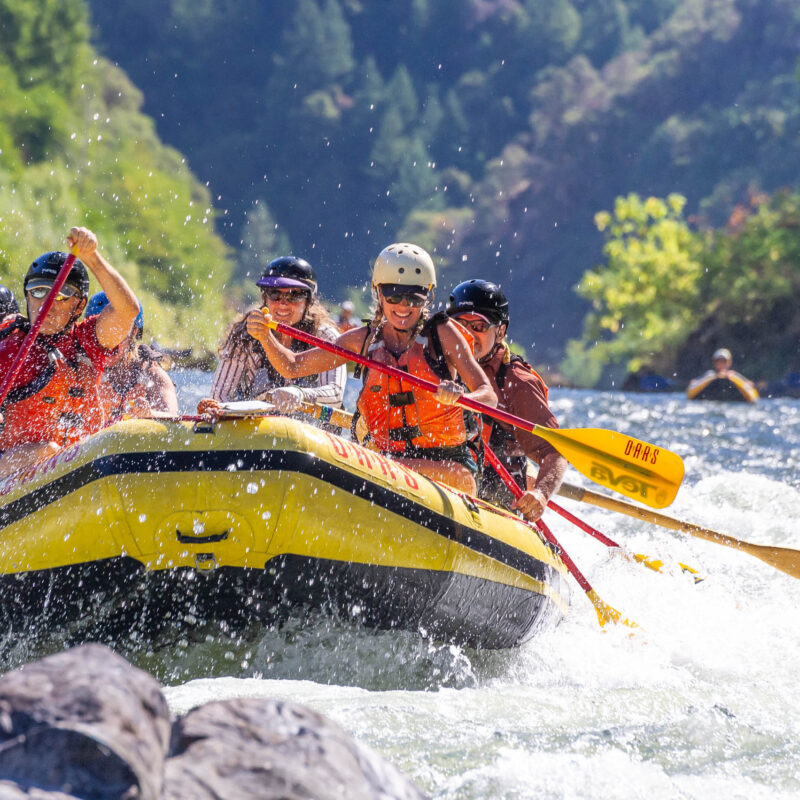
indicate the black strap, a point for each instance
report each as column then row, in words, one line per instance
column 359, row 368
column 19, row 323
column 438, row 363
column 401, row 399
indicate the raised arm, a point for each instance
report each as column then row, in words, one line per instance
column 115, row 321
column 308, row 362
column 459, row 355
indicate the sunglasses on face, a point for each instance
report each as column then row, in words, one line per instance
column 412, row 299
column 40, row 292
column 476, row 325
column 291, row 296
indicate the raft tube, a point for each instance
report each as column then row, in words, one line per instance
column 733, row 387
column 152, row 523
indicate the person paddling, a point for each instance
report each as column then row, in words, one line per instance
column 722, row 382
column 426, row 432
column 53, row 399
column 134, row 384
column 289, row 292
column 482, row 307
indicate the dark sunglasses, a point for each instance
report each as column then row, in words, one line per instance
column 476, row 325
column 290, row 296
column 414, row 300
column 40, row 292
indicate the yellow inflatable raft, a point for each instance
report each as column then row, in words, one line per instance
column 150, row 523
column 730, row 387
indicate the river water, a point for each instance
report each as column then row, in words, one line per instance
column 701, row 701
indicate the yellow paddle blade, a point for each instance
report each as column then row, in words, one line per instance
column 606, row 613
column 653, row 563
column 626, row 465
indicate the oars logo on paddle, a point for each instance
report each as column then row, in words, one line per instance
column 640, row 470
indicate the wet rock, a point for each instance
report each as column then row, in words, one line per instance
column 264, row 749
column 85, row 723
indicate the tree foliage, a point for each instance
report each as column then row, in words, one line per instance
column 646, row 296
column 75, row 148
column 496, row 129
column 667, row 296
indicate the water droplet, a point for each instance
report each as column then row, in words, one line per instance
column 252, row 488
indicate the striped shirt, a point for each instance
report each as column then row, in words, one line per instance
column 242, row 375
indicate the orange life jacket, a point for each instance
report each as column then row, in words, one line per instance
column 52, row 399
column 400, row 416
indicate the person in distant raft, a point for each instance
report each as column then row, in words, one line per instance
column 289, row 291
column 134, row 384
column 425, row 431
column 722, row 382
column 53, row 400
column 482, row 307
column 346, row 321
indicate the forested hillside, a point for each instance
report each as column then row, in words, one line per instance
column 75, row 148
column 491, row 131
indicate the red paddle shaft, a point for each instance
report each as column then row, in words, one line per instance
column 546, row 532
column 27, row 343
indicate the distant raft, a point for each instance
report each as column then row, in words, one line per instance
column 733, row 387
column 151, row 524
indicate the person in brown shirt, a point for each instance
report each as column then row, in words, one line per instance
column 482, row 308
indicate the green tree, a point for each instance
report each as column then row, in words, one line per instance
column 262, row 240
column 646, row 298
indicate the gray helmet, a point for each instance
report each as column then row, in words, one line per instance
column 8, row 303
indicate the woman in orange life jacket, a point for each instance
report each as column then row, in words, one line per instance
column 53, row 399
column 482, row 307
column 426, row 432
column 134, row 384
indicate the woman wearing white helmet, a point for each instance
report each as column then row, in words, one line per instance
column 426, row 432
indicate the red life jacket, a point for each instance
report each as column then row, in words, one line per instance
column 52, row 398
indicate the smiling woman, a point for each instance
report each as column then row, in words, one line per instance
column 289, row 292
column 428, row 433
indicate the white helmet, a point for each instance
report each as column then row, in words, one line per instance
column 722, row 353
column 405, row 264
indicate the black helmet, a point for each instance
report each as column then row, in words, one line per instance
column 287, row 272
column 47, row 267
column 479, row 297
column 8, row 303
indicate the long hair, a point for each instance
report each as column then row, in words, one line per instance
column 314, row 317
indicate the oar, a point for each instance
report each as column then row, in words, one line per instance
column 344, row 419
column 28, row 341
column 783, row 558
column 605, row 612
column 630, row 466
column 334, row 416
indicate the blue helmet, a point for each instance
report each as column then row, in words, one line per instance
column 97, row 302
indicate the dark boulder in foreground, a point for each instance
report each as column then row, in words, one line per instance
column 86, row 724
